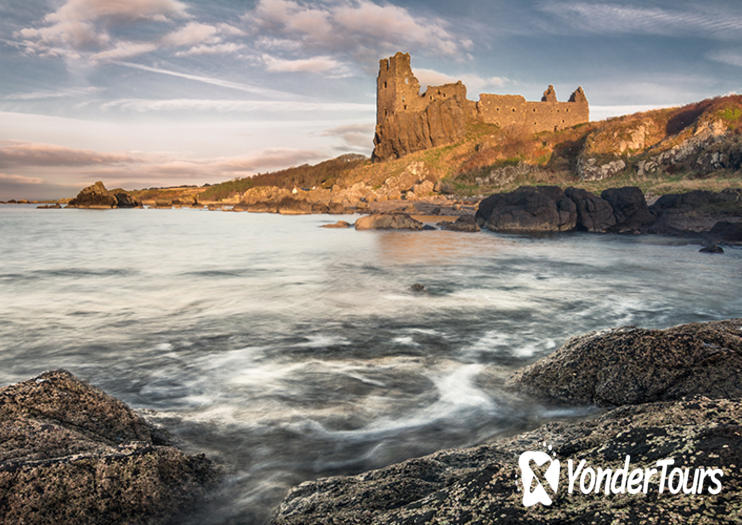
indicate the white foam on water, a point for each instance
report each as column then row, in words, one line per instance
column 322, row 340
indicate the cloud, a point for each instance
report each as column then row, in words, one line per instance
column 35, row 154
column 358, row 29
column 614, row 18
column 48, row 94
column 267, row 159
column 84, row 29
column 215, row 49
column 125, row 50
column 19, row 179
column 318, row 64
column 82, row 26
column 239, row 86
column 190, row 34
column 475, row 83
column 233, row 106
column 354, row 136
column 733, row 57
column 119, row 9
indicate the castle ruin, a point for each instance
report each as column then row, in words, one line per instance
column 408, row 121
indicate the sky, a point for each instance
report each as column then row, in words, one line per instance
column 143, row 93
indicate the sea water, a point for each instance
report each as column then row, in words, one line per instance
column 287, row 352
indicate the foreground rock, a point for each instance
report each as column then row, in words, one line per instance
column 97, row 196
column 397, row 221
column 482, row 484
column 682, row 390
column 636, row 365
column 70, row 453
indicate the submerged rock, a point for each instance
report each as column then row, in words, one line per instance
column 636, row 365
column 70, row 453
column 712, row 248
column 338, row 224
column 483, row 484
column 397, row 221
column 464, row 223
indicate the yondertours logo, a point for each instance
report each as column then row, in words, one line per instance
column 540, row 475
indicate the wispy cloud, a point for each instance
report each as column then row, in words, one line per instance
column 239, row 86
column 51, row 94
column 317, row 64
column 19, row 179
column 357, row 137
column 611, row 18
column 231, row 105
column 732, row 57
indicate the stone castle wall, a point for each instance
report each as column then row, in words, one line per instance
column 408, row 121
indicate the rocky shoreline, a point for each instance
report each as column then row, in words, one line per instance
column 677, row 393
column 714, row 217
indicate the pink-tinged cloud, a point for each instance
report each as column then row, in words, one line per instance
column 19, row 179
column 357, row 137
column 23, row 154
column 358, row 28
column 121, row 9
column 80, row 27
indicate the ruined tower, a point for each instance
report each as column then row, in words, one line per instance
column 408, row 121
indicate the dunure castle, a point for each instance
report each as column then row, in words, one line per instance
column 408, row 121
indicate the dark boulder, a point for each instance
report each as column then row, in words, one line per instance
column 464, row 223
column 528, row 209
column 94, row 196
column 70, row 453
column 593, row 213
column 636, row 365
column 397, row 221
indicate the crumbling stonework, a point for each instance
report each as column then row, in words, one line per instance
column 408, row 121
